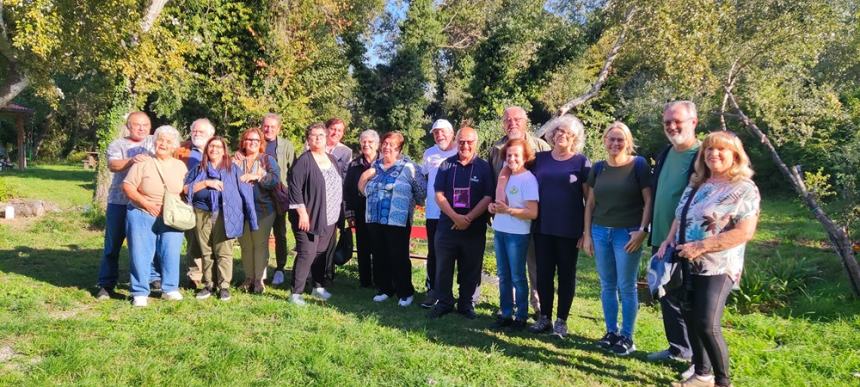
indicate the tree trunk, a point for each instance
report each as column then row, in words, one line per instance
column 837, row 234
column 114, row 120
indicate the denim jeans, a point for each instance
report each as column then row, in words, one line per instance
column 617, row 270
column 511, row 269
column 148, row 237
column 114, row 237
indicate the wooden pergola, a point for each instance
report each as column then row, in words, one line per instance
column 19, row 114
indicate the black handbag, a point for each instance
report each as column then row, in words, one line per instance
column 343, row 249
column 682, row 268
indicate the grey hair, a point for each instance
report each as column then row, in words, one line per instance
column 167, row 130
column 566, row 121
column 274, row 116
column 689, row 105
column 369, row 133
column 202, row 121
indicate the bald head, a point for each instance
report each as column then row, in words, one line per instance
column 138, row 125
column 515, row 122
column 467, row 143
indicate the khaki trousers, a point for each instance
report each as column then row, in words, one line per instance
column 255, row 248
column 216, row 249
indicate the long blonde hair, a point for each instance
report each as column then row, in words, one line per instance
column 740, row 169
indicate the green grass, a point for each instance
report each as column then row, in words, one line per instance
column 53, row 332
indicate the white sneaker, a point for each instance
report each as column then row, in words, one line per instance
column 172, row 296
column 688, row 373
column 321, row 293
column 296, row 299
column 139, row 301
column 278, row 278
column 380, row 297
column 404, row 302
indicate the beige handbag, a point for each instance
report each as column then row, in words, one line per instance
column 174, row 211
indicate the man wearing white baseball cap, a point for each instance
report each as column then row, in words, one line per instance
column 443, row 135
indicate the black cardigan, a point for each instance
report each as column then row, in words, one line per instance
column 307, row 186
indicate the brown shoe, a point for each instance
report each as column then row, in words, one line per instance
column 696, row 381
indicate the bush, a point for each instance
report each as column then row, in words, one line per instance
column 7, row 191
column 77, row 157
column 771, row 283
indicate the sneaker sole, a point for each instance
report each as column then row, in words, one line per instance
column 629, row 351
column 202, row 297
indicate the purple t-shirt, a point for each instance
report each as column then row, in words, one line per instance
column 561, row 209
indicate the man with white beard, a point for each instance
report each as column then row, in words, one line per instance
column 671, row 175
column 191, row 153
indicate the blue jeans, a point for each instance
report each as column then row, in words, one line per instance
column 148, row 237
column 114, row 236
column 617, row 270
column 511, row 269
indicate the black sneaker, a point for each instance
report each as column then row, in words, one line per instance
column 518, row 325
column 502, row 322
column 541, row 325
column 439, row 311
column 468, row 313
column 608, row 340
column 203, row 294
column 428, row 302
column 224, row 295
column 155, row 286
column 623, row 346
column 104, row 294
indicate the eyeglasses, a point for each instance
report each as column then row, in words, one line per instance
column 677, row 122
column 465, row 142
column 252, row 140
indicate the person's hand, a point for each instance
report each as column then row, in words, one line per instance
column 217, row 185
column 304, row 222
column 500, row 189
column 636, row 238
column 249, row 178
column 491, row 208
column 691, row 250
column 461, row 222
column 579, row 243
column 139, row 158
column 351, row 221
column 502, row 208
column 152, row 209
column 661, row 251
column 587, row 245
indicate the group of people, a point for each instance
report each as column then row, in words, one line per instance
column 543, row 198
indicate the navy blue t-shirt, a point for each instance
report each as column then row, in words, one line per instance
column 473, row 182
column 194, row 159
column 272, row 148
column 208, row 199
column 561, row 209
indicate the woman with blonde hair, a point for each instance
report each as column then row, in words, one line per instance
column 716, row 217
column 617, row 214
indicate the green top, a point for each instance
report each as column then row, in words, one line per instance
column 618, row 198
column 671, row 183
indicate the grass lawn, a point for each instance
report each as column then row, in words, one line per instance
column 52, row 331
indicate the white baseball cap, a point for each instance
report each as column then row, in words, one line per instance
column 441, row 124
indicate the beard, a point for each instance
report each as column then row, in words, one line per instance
column 678, row 139
column 199, row 141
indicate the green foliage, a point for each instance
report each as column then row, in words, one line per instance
column 772, row 284
column 7, row 191
column 818, row 184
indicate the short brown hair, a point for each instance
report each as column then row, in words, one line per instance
column 398, row 137
column 333, row 121
column 528, row 152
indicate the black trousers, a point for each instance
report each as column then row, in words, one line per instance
column 556, row 253
column 710, row 353
column 673, row 321
column 466, row 250
column 310, row 257
column 392, row 268
column 364, row 245
column 431, row 225
column 279, row 229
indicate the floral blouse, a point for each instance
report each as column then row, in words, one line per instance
column 717, row 208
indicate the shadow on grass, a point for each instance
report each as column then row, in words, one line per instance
column 69, row 267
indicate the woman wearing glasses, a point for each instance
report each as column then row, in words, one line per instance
column 261, row 171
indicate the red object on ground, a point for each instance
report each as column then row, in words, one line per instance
column 418, row 232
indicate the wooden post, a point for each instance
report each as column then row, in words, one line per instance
column 22, row 156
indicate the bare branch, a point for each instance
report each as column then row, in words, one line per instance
column 604, row 71
column 838, row 237
column 152, row 13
